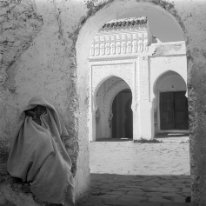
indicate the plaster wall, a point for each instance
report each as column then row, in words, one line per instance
column 37, row 59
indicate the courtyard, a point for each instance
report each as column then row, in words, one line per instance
column 169, row 156
column 139, row 173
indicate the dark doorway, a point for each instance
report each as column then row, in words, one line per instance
column 122, row 121
column 173, row 111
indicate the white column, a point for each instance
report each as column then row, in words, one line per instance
column 136, row 120
column 135, row 103
column 145, row 105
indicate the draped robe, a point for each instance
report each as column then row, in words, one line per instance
column 38, row 156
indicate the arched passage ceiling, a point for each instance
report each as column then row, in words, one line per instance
column 162, row 23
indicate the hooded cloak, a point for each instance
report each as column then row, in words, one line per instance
column 38, row 155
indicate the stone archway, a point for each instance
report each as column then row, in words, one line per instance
column 110, row 14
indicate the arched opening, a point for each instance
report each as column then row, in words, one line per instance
column 122, row 120
column 157, row 16
column 111, row 109
column 170, row 104
column 157, row 163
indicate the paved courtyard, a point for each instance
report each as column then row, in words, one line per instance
column 169, row 157
column 140, row 174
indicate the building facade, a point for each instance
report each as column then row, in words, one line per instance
column 137, row 83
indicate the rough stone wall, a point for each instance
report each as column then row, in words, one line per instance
column 193, row 15
column 19, row 25
column 37, row 60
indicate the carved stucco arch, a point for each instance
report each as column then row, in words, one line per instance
column 118, row 86
column 155, row 99
column 104, row 79
column 97, row 87
column 183, row 77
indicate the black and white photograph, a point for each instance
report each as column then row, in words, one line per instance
column 102, row 102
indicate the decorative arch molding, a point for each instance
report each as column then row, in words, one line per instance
column 120, row 81
column 117, row 87
column 172, row 85
column 104, row 105
column 101, row 72
column 162, row 65
column 170, row 72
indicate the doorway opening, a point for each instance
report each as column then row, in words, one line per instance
column 113, row 114
column 171, row 104
column 122, row 121
column 173, row 111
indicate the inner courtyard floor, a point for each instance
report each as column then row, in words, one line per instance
column 127, row 173
column 170, row 156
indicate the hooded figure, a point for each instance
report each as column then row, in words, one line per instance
column 38, row 155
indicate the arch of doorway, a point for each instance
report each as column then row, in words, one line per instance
column 107, row 100
column 180, row 73
column 104, row 79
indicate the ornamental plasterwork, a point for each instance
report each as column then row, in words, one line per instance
column 121, row 37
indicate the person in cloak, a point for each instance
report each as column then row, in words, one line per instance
column 38, row 155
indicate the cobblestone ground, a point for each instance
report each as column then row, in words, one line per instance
column 129, row 190
column 148, row 174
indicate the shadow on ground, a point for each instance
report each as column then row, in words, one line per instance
column 136, row 190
